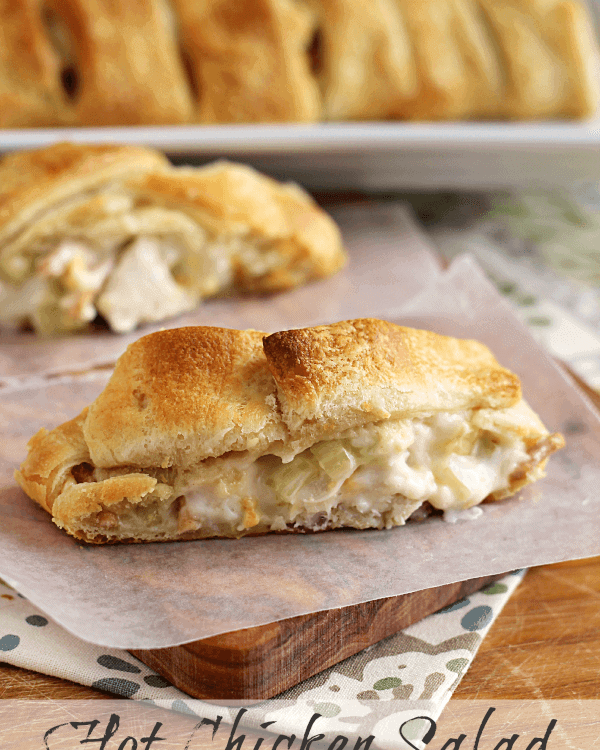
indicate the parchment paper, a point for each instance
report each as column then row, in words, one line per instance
column 389, row 260
column 157, row 595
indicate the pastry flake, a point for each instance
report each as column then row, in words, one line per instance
column 208, row 432
column 118, row 231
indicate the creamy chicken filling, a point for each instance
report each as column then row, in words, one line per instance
column 131, row 264
column 370, row 477
column 150, row 279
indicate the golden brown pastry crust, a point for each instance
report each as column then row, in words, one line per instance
column 509, row 59
column 128, row 62
column 249, row 60
column 124, row 59
column 31, row 91
column 199, row 392
column 549, row 57
column 337, row 376
column 365, row 63
column 456, row 59
column 181, row 395
column 90, row 62
column 439, row 37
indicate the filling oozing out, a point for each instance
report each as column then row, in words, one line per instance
column 370, row 477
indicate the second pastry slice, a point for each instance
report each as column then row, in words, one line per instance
column 118, row 231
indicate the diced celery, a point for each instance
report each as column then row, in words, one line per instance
column 485, row 446
column 288, row 479
column 335, row 459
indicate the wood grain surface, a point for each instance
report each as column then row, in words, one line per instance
column 258, row 663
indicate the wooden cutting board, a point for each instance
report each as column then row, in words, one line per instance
column 258, row 663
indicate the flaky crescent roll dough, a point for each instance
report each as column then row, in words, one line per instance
column 117, row 230
column 130, row 62
column 249, row 60
column 206, row 432
column 31, row 90
column 456, row 59
column 91, row 62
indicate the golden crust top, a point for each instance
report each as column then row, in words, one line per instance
column 249, row 59
column 90, row 62
column 366, row 60
column 456, row 59
column 367, row 369
column 126, row 61
column 129, row 62
column 181, row 395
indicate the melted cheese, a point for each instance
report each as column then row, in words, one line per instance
column 443, row 460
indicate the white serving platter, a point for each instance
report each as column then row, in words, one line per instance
column 370, row 156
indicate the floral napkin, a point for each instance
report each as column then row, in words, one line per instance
column 542, row 251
